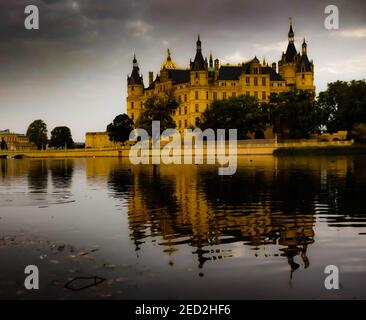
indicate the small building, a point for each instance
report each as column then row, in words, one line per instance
column 16, row 141
column 98, row 140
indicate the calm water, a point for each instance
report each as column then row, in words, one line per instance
column 183, row 231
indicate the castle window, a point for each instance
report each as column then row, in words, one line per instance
column 196, row 108
column 255, row 81
column 233, row 94
column 197, row 121
column 247, row 81
column 132, row 116
column 206, row 95
column 185, row 110
column 185, row 98
column 263, row 81
column 303, row 76
column 185, row 123
column 180, row 123
column 247, row 93
column 215, row 95
column 256, row 94
column 224, row 96
column 255, row 70
column 196, row 75
column 263, row 95
column 132, row 105
column 196, row 95
column 180, row 111
column 132, row 88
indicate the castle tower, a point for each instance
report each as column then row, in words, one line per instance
column 135, row 91
column 199, row 66
column 305, row 71
column 287, row 64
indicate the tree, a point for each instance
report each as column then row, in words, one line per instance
column 61, row 138
column 243, row 113
column 37, row 133
column 345, row 103
column 119, row 130
column 157, row 108
column 295, row 114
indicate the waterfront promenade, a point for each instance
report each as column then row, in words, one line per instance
column 244, row 147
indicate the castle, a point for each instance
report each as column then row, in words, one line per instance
column 205, row 81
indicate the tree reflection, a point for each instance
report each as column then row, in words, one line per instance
column 38, row 175
column 61, row 173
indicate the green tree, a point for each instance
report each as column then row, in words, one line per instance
column 345, row 103
column 61, row 138
column 37, row 133
column 243, row 113
column 157, row 108
column 295, row 114
column 119, row 130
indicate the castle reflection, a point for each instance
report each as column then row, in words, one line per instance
column 267, row 202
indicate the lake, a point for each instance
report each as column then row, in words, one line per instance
column 183, row 231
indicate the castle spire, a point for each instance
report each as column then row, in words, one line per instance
column 304, row 47
column 135, row 77
column 198, row 43
column 291, row 33
column 135, row 65
column 198, row 62
column 291, row 50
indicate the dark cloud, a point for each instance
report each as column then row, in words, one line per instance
column 87, row 42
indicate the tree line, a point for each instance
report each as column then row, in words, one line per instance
column 60, row 136
column 294, row 114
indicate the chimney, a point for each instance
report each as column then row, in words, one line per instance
column 274, row 66
column 151, row 77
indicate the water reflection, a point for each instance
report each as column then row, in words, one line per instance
column 61, row 173
column 38, row 176
column 271, row 208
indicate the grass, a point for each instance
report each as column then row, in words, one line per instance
column 330, row 150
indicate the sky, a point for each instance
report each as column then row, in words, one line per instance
column 73, row 70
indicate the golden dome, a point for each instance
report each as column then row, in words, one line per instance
column 168, row 63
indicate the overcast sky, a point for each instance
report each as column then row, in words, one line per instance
column 73, row 70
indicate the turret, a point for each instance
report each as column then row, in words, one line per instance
column 135, row 90
column 199, row 62
column 135, row 77
column 304, row 48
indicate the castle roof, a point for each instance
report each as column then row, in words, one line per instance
column 179, row 75
column 199, row 62
column 290, row 52
column 304, row 63
column 229, row 72
column 234, row 72
column 168, row 63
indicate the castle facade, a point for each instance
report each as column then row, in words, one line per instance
column 205, row 81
